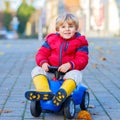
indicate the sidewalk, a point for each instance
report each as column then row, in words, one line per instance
column 101, row 76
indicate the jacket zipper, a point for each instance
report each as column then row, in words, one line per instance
column 65, row 45
column 60, row 59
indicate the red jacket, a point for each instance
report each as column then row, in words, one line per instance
column 57, row 51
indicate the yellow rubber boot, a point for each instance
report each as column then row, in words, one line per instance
column 65, row 90
column 42, row 91
column 41, row 83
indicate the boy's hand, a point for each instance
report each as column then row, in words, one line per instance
column 45, row 67
column 64, row 67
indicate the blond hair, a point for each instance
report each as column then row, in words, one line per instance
column 69, row 18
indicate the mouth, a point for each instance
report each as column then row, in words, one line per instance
column 67, row 33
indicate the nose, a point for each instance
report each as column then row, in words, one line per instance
column 67, row 28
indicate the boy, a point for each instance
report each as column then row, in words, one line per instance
column 67, row 50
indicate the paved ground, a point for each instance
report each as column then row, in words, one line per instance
column 102, row 76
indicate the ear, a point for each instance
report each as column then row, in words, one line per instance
column 77, row 29
column 57, row 29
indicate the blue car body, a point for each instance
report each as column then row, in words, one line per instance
column 77, row 95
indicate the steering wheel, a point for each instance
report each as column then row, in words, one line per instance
column 54, row 69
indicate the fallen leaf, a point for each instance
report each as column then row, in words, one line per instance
column 8, row 45
column 98, row 48
column 2, row 53
column 103, row 58
column 94, row 66
column 95, row 113
column 91, row 106
column 5, row 111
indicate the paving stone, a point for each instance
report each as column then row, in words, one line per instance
column 101, row 76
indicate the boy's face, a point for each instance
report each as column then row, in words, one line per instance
column 67, row 31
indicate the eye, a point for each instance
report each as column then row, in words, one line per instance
column 62, row 26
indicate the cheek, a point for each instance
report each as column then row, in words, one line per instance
column 61, row 31
column 74, row 31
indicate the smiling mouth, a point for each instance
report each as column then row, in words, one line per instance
column 67, row 33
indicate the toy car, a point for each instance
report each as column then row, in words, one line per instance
column 80, row 96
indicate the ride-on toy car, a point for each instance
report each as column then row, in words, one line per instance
column 80, row 96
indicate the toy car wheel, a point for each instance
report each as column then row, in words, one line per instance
column 69, row 108
column 85, row 101
column 35, row 108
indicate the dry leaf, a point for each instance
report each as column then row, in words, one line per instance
column 8, row 45
column 103, row 58
column 95, row 113
column 5, row 111
column 91, row 106
column 95, row 66
column 2, row 53
column 98, row 48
